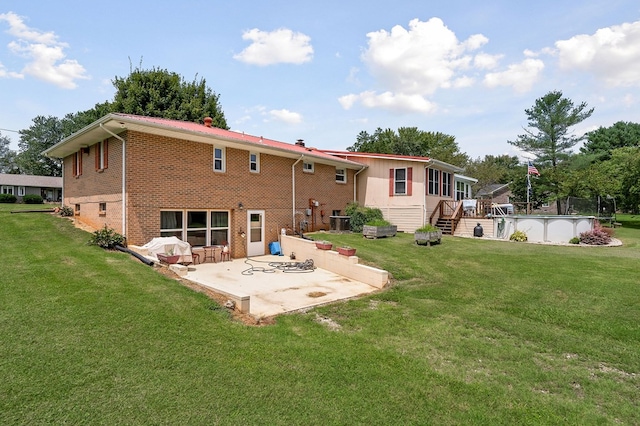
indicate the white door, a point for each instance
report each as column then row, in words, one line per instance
column 255, row 236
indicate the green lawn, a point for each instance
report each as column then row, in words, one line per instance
column 470, row 332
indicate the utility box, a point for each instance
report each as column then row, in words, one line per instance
column 339, row 223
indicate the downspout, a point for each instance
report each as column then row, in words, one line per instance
column 62, row 191
column 124, row 209
column 424, row 194
column 293, row 192
column 424, row 197
column 355, row 182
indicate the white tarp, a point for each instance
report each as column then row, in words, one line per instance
column 169, row 246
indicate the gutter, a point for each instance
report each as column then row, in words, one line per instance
column 293, row 192
column 124, row 173
column 355, row 182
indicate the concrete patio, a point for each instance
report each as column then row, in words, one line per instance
column 259, row 287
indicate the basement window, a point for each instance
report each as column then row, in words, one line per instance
column 102, row 209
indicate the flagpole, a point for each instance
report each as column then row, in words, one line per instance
column 528, row 191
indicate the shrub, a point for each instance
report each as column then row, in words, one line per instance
column 106, row 238
column 519, row 236
column 574, row 240
column 428, row 228
column 595, row 237
column 361, row 215
column 8, row 198
column 32, row 199
column 378, row 222
column 66, row 211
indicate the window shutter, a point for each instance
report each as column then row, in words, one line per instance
column 80, row 163
column 106, row 153
column 409, row 179
column 97, row 156
column 392, row 177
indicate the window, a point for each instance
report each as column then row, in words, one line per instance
column 307, row 167
column 400, row 181
column 341, row 176
column 462, row 190
column 219, row 230
column 197, row 228
column 21, row 191
column 218, row 159
column 77, row 208
column 101, row 155
column 200, row 227
column 102, row 208
column 434, row 182
column 77, row 164
column 254, row 162
column 7, row 189
column 171, row 224
column 400, row 184
column 446, row 184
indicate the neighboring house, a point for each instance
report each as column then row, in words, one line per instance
column 148, row 177
column 407, row 189
column 48, row 187
column 498, row 193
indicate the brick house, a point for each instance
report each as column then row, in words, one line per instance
column 147, row 177
column 48, row 187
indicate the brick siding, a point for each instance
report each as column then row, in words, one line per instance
column 173, row 174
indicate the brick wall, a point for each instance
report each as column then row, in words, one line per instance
column 165, row 173
column 94, row 187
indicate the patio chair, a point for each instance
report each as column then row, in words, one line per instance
column 225, row 254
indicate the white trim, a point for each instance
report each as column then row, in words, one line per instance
column 222, row 159
column 256, row 162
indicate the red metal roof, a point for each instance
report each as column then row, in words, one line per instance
column 376, row 155
column 230, row 135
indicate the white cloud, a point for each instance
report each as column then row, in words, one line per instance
column 9, row 74
column 485, row 61
column 279, row 46
column 419, row 60
column 612, row 54
column 398, row 102
column 44, row 53
column 411, row 64
column 285, row 116
column 520, row 76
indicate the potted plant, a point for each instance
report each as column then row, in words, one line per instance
column 324, row 245
column 428, row 234
column 346, row 251
column 379, row 228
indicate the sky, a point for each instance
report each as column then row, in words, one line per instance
column 324, row 71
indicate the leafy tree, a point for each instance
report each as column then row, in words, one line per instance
column 603, row 140
column 625, row 163
column 411, row 141
column 42, row 134
column 160, row 93
column 7, row 157
column 154, row 93
column 547, row 136
column 493, row 169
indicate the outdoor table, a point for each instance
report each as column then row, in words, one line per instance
column 210, row 252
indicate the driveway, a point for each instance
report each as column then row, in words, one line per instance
column 275, row 285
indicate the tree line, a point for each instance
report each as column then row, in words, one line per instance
column 607, row 164
column 153, row 93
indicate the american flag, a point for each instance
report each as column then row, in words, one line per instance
column 532, row 169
